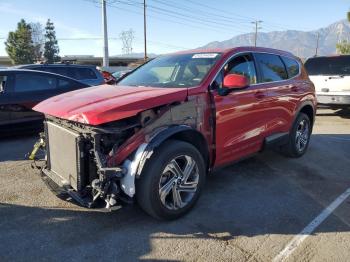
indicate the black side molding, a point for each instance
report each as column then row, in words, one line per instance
column 277, row 139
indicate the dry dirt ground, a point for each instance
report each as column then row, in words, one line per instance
column 248, row 212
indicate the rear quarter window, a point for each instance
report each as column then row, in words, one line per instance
column 292, row 66
column 271, row 67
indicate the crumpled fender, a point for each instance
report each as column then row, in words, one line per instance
column 145, row 150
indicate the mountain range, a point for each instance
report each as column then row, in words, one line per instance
column 300, row 43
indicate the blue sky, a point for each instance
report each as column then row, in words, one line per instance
column 172, row 24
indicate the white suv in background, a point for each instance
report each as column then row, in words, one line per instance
column 331, row 77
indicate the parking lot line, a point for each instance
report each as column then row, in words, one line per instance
column 298, row 239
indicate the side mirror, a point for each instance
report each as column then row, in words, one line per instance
column 235, row 81
column 232, row 82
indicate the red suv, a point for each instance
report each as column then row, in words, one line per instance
column 156, row 135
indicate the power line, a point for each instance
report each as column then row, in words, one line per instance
column 167, row 19
column 170, row 13
column 205, row 14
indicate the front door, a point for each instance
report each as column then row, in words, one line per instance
column 240, row 115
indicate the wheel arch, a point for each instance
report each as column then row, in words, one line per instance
column 179, row 132
column 308, row 108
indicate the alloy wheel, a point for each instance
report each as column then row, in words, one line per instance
column 178, row 182
column 302, row 135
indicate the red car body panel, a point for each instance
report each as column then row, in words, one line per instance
column 233, row 126
column 103, row 104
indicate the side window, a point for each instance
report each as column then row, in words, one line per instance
column 291, row 65
column 81, row 73
column 242, row 65
column 34, row 82
column 3, row 80
column 272, row 67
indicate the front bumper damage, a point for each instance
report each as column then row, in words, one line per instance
column 77, row 164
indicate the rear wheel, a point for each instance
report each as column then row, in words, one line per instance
column 171, row 181
column 299, row 137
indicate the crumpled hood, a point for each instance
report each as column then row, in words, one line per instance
column 101, row 104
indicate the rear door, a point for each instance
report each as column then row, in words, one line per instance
column 240, row 115
column 282, row 93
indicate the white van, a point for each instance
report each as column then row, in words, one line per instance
column 331, row 77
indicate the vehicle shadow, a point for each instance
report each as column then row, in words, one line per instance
column 264, row 195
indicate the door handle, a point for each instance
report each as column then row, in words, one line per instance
column 259, row 94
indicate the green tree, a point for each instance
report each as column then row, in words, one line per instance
column 343, row 47
column 51, row 49
column 19, row 44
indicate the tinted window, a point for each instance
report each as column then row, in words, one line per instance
column 272, row 68
column 242, row 65
column 337, row 65
column 81, row 73
column 292, row 66
column 34, row 82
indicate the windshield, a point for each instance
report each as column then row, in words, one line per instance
column 185, row 70
column 337, row 65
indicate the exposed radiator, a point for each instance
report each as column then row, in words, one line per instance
column 64, row 157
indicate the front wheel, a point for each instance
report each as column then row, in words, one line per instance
column 299, row 137
column 171, row 181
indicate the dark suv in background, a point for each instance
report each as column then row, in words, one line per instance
column 84, row 73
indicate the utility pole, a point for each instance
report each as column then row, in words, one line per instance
column 144, row 29
column 318, row 39
column 105, row 35
column 257, row 27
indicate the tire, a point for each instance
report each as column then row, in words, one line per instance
column 159, row 176
column 296, row 147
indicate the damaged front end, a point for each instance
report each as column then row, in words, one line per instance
column 77, row 160
column 97, row 165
